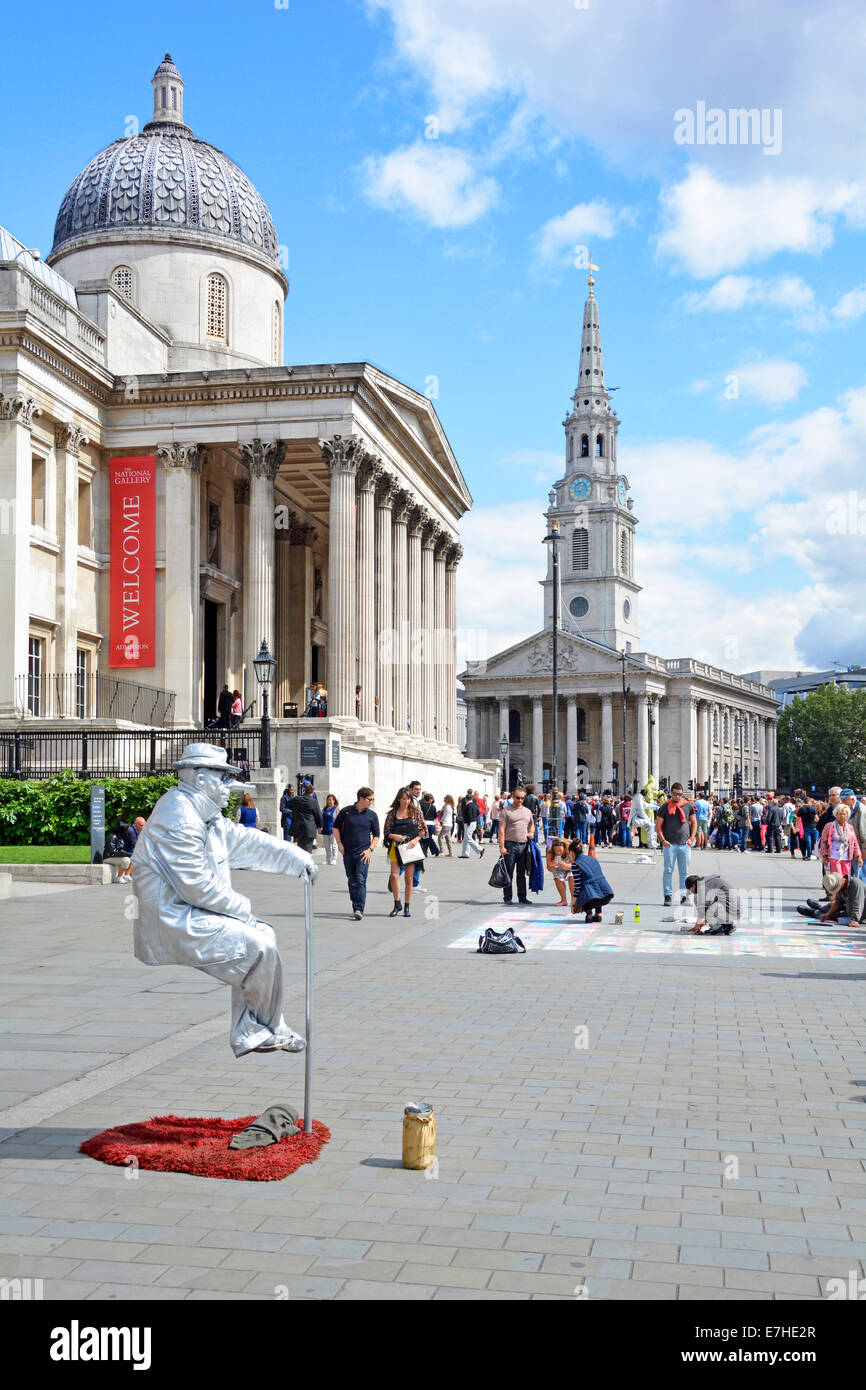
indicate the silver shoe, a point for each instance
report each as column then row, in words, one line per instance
column 284, row 1042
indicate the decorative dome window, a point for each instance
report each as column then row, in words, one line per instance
column 123, row 281
column 216, row 329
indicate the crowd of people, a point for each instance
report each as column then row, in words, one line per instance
column 533, row 831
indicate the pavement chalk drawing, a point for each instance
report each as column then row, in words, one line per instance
column 778, row 936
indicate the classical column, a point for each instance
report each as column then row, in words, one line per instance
column 771, row 755
column 472, row 728
column 416, row 636
column 183, row 465
column 368, row 476
column 16, row 479
column 642, row 744
column 385, row 644
column 688, row 741
column 441, row 649
column 428, row 628
column 263, row 457
column 343, row 455
column 503, row 734
column 570, row 743
column 704, row 747
column 606, row 741
column 68, row 440
column 537, row 773
column 655, row 741
column 402, row 504
column 453, row 556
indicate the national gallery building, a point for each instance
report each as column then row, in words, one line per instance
column 174, row 493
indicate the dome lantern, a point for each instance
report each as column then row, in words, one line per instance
column 167, row 86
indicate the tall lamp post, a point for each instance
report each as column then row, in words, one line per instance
column 625, row 690
column 264, row 667
column 799, row 742
column 503, row 751
column 554, row 539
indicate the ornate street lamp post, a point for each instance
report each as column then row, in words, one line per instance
column 264, row 667
column 503, row 752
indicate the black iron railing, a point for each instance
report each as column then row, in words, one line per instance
column 28, row 753
column 75, row 695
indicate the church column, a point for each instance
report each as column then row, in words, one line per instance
column 385, row 642
column 472, row 728
column 642, row 742
column 655, row 739
column 441, row 648
column 426, row 668
column 68, row 440
column 183, row 465
column 503, row 734
column 771, row 755
column 263, row 457
column 704, row 759
column 453, row 556
column 606, row 741
column 537, row 773
column 368, row 476
column 415, row 633
column 688, row 741
column 570, row 743
column 16, row 480
column 402, row 503
column 343, row 457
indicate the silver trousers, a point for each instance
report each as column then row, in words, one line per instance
column 256, row 980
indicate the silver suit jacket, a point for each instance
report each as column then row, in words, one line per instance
column 188, row 912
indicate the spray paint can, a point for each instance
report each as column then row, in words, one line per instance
column 636, row 913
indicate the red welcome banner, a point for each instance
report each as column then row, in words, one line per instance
column 132, row 578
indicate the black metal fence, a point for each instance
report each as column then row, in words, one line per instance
column 115, row 753
column 81, row 695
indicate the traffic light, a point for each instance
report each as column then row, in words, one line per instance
column 691, row 784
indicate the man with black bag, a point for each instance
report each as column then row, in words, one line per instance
column 516, row 827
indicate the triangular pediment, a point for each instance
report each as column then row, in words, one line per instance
column 534, row 657
column 417, row 415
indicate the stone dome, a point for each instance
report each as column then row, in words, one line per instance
column 165, row 179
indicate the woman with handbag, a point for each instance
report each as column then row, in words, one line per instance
column 403, row 832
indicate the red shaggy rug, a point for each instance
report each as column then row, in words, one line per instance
column 200, row 1146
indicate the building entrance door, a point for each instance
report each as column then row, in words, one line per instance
column 211, row 658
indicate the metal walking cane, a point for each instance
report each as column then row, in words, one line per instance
column 308, row 1055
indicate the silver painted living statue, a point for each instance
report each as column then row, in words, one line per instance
column 188, row 912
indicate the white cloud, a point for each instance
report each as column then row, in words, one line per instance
column 851, row 306
column 435, row 183
column 773, row 382
column 735, row 292
column 585, row 222
column 711, row 227
column 499, row 598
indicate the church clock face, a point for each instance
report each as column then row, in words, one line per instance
column 580, row 488
column 620, row 492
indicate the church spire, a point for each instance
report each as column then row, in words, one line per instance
column 590, row 380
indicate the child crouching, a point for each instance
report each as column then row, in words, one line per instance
column 591, row 888
column 559, row 864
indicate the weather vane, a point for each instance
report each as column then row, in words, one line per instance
column 592, row 267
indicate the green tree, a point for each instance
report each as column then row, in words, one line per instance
column 831, row 721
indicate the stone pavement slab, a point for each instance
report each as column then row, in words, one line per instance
column 636, row 1110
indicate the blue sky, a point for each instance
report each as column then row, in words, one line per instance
column 731, row 282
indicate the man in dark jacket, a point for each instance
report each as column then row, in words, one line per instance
column 306, row 817
column 580, row 816
column 773, row 818
column 224, row 708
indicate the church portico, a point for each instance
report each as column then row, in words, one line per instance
column 623, row 714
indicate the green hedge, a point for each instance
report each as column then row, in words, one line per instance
column 56, row 810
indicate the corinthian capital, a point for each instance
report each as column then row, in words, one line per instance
column 370, row 473
column 404, row 502
column 70, row 437
column 20, row 408
column 191, row 457
column 263, row 455
column 343, row 453
column 454, row 556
